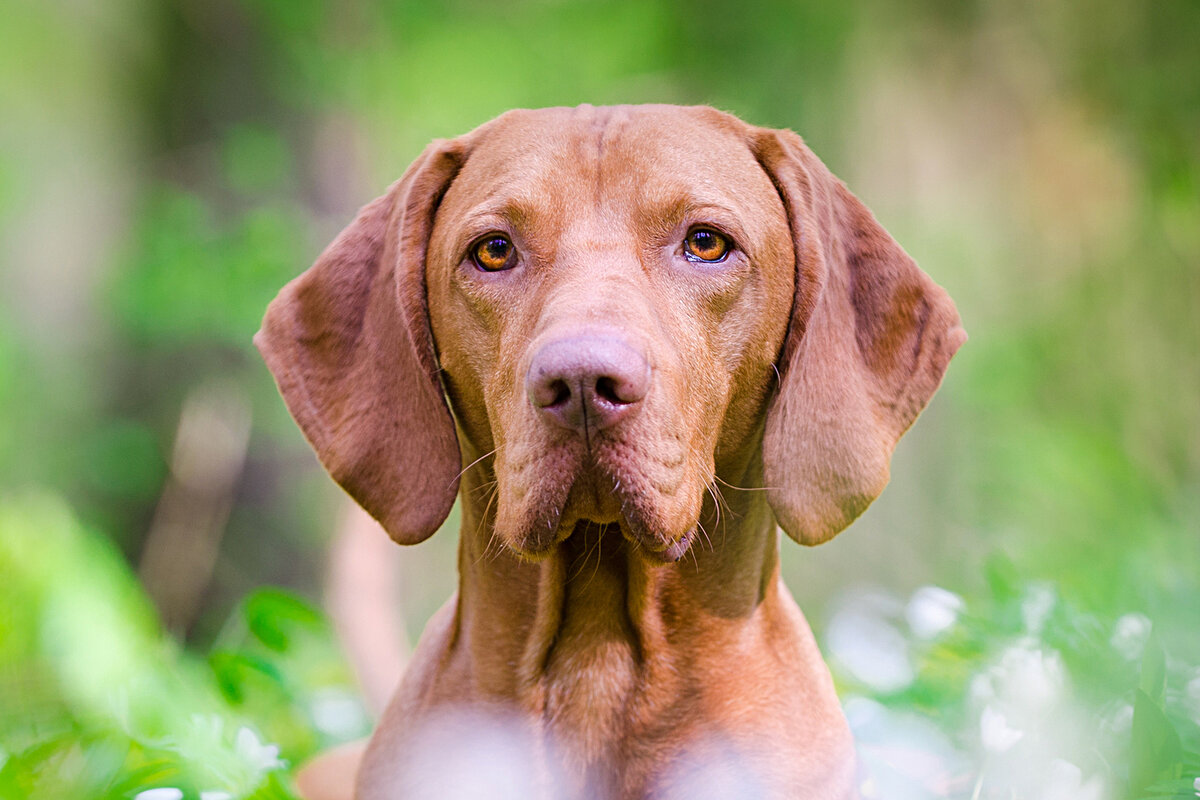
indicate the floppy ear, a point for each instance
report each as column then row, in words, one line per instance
column 869, row 340
column 350, row 347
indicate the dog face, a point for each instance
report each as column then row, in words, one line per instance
column 621, row 325
column 620, row 304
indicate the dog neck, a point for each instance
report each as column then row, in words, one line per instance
column 595, row 605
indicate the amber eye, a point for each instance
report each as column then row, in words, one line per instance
column 703, row 244
column 493, row 253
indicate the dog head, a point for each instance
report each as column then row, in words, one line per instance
column 620, row 305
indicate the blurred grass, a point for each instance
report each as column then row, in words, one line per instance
column 166, row 167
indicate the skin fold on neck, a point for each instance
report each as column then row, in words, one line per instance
column 529, row 626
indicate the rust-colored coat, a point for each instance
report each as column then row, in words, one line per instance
column 620, row 612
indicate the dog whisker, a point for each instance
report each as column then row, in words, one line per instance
column 599, row 544
column 495, row 450
column 729, row 485
column 492, row 537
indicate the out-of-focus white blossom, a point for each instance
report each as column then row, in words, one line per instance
column 932, row 610
column 216, row 796
column 1130, row 635
column 1036, row 606
column 864, row 641
column 262, row 757
column 1121, row 720
column 1034, row 678
column 1026, row 682
column 1196, row 786
column 904, row 755
column 470, row 754
column 165, row 793
column 712, row 770
column 336, row 712
column 1065, row 782
column 995, row 732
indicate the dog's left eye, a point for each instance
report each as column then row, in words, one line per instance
column 705, row 244
column 494, row 253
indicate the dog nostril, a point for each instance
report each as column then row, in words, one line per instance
column 606, row 389
column 559, row 394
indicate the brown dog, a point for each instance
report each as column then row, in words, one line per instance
column 649, row 334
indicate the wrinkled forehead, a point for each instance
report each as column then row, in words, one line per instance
column 616, row 159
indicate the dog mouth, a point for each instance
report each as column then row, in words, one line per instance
column 601, row 486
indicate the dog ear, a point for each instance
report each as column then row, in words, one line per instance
column 350, row 347
column 869, row 339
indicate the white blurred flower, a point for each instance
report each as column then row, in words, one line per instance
column 1026, row 685
column 209, row 725
column 1065, row 782
column 1036, row 607
column 712, row 770
column 862, row 639
column 1121, row 719
column 932, row 610
column 1033, row 678
column 470, row 755
column 336, row 712
column 1130, row 634
column 995, row 732
column 1196, row 786
column 902, row 755
column 982, row 689
column 216, row 796
column 165, row 793
column 263, row 757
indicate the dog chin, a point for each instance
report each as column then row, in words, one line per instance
column 600, row 488
column 631, row 505
column 645, row 526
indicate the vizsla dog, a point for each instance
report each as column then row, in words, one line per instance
column 636, row 342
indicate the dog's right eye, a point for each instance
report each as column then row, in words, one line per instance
column 494, row 253
column 705, row 245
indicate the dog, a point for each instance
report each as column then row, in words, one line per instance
column 635, row 342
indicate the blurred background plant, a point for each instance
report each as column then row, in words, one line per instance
column 1016, row 617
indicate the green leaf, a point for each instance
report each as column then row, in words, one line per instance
column 273, row 615
column 1178, row 789
column 1154, row 670
column 1002, row 578
column 234, row 671
column 275, row 787
column 1156, row 751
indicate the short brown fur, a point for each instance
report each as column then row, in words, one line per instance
column 619, row 593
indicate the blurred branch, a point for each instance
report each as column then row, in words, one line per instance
column 363, row 599
column 185, row 536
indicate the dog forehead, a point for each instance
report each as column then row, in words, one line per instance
column 623, row 152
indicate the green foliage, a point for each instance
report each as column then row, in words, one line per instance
column 169, row 166
column 197, row 280
column 100, row 704
column 1030, row 695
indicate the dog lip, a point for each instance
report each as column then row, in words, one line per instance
column 601, row 488
column 543, row 536
column 669, row 553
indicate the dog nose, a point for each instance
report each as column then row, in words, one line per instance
column 587, row 383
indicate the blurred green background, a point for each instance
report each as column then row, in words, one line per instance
column 1017, row 616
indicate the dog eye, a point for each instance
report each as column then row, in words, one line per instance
column 704, row 244
column 494, row 253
